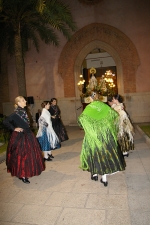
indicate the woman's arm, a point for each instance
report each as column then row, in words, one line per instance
column 42, row 122
column 9, row 124
column 55, row 113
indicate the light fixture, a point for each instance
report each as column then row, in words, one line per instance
column 81, row 82
column 109, row 78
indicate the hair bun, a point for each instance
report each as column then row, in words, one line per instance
column 42, row 105
column 16, row 106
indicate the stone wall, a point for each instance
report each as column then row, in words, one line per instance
column 137, row 105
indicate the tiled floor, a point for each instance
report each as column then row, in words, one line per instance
column 65, row 195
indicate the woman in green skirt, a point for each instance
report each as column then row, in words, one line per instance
column 100, row 152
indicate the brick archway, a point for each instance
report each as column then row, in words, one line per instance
column 98, row 35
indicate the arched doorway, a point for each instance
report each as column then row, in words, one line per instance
column 107, row 48
column 112, row 40
column 103, row 65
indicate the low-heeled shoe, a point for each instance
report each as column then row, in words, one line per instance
column 94, row 178
column 25, row 180
column 104, row 182
column 51, row 156
column 126, row 155
column 48, row 159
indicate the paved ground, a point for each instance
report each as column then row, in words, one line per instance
column 65, row 195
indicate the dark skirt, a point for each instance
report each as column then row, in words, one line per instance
column 24, row 156
column 59, row 129
column 125, row 143
column 102, row 160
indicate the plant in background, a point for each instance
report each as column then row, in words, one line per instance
column 24, row 20
column 4, row 133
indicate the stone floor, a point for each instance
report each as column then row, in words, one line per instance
column 65, row 195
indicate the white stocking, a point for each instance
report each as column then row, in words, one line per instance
column 104, row 178
column 95, row 175
column 125, row 153
column 45, row 154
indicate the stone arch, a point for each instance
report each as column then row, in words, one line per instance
column 109, row 38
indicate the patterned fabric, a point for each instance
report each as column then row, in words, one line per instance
column 43, row 141
column 56, row 110
column 126, row 130
column 100, row 152
column 46, row 136
column 125, row 143
column 57, row 123
column 24, row 156
column 23, row 114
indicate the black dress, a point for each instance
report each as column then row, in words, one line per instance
column 57, row 123
column 24, row 156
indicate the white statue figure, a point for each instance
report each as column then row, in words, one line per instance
column 93, row 80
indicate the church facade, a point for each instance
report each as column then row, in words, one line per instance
column 119, row 27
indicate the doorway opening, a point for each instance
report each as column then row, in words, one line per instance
column 103, row 63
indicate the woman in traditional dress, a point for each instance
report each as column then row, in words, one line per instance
column 100, row 152
column 24, row 157
column 126, row 130
column 56, row 121
column 46, row 135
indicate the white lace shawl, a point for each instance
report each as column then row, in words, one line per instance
column 124, row 122
column 45, row 121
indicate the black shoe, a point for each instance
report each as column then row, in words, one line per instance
column 48, row 159
column 25, row 180
column 94, row 178
column 51, row 156
column 105, row 183
column 126, row 155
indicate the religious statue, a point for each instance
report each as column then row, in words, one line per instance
column 93, row 80
column 102, row 85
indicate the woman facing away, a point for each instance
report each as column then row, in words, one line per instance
column 126, row 130
column 24, row 157
column 100, row 151
column 56, row 121
column 46, row 136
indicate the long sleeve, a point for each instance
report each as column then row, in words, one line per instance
column 8, row 123
column 52, row 112
column 55, row 111
column 13, row 121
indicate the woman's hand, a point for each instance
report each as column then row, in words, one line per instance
column 18, row 129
